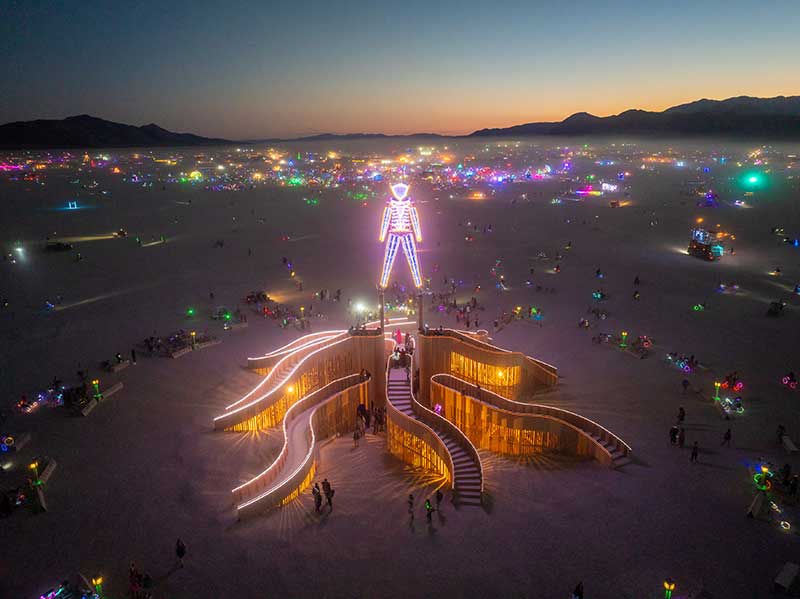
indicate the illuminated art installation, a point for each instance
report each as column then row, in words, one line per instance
column 401, row 224
column 466, row 394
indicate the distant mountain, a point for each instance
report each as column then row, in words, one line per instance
column 349, row 136
column 86, row 131
column 744, row 116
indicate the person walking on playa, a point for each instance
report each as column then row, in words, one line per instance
column 180, row 552
column 428, row 510
column 328, row 491
column 133, row 355
column 681, row 438
column 695, row 451
column 317, row 497
column 681, row 415
column 411, row 506
column 726, row 438
column 685, row 384
column 329, row 497
column 439, row 497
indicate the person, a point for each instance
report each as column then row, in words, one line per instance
column 326, row 486
column 428, row 510
column 180, row 552
column 317, row 497
column 119, row 358
column 685, row 384
column 786, row 474
column 726, row 438
column 578, row 592
column 695, row 451
column 781, row 433
column 439, row 497
column 681, row 414
column 636, row 295
column 673, row 435
column 134, row 579
column 356, row 435
column 411, row 506
column 681, row 438
column 133, row 355
column 636, row 281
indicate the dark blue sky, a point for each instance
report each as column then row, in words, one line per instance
column 254, row 69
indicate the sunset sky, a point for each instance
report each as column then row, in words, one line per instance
column 246, row 70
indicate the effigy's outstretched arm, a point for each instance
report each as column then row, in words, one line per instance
column 387, row 217
column 415, row 223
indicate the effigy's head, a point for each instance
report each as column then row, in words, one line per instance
column 399, row 191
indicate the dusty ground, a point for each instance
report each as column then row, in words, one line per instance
column 145, row 467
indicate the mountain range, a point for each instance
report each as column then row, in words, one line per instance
column 86, row 131
column 743, row 116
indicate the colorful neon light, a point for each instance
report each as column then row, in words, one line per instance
column 400, row 223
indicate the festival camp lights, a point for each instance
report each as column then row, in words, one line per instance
column 761, row 478
column 753, row 180
column 588, row 191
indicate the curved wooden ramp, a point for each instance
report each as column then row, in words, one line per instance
column 314, row 417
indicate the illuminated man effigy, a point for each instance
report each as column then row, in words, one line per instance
column 401, row 225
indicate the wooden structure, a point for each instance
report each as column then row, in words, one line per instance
column 466, row 394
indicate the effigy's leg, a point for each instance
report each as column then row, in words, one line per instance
column 388, row 258
column 410, row 248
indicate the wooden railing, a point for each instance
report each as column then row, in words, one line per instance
column 576, row 420
column 271, row 363
column 416, row 427
column 263, row 489
column 269, row 360
column 437, row 347
column 436, row 421
column 241, row 411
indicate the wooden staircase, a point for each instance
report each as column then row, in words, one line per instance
column 467, row 477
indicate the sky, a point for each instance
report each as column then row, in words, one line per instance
column 250, row 70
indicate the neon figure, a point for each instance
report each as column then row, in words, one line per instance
column 401, row 223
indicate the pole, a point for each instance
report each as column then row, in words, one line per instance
column 380, row 298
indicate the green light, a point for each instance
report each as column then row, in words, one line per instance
column 295, row 181
column 753, row 179
column 227, row 315
column 190, row 312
